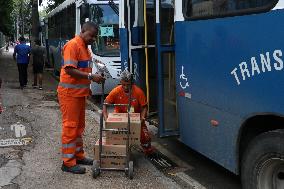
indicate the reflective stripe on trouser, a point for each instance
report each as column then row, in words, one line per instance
column 145, row 138
column 73, row 125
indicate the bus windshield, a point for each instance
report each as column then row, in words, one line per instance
column 107, row 43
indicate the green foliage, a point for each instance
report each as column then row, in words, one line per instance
column 13, row 10
column 6, row 22
column 22, row 14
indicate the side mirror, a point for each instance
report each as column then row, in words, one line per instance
column 84, row 12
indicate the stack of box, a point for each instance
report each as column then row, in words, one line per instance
column 114, row 142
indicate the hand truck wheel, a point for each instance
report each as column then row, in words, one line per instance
column 130, row 170
column 95, row 169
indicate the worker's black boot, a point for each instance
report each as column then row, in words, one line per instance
column 85, row 161
column 76, row 169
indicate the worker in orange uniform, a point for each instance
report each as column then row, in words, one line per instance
column 73, row 88
column 120, row 95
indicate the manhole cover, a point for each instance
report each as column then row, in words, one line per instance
column 160, row 161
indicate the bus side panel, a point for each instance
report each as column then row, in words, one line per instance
column 123, row 47
column 227, row 69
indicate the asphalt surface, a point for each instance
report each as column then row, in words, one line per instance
column 35, row 162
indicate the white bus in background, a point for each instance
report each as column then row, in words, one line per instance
column 64, row 22
column 106, row 50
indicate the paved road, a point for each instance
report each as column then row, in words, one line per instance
column 194, row 170
column 37, row 164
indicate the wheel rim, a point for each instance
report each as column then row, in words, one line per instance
column 271, row 174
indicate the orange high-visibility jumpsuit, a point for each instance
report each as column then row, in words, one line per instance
column 118, row 96
column 72, row 95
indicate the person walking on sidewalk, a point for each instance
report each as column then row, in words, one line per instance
column 22, row 52
column 120, row 95
column 38, row 54
column 73, row 88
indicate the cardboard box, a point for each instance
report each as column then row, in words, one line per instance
column 108, row 149
column 120, row 121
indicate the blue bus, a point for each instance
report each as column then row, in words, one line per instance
column 213, row 73
column 64, row 22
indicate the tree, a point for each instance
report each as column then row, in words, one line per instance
column 6, row 22
column 35, row 20
column 21, row 16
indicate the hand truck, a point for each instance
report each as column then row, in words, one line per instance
column 97, row 165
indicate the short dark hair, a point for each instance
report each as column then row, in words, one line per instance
column 22, row 39
column 88, row 25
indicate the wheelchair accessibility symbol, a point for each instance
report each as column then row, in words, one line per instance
column 183, row 79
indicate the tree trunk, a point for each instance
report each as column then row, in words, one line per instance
column 35, row 21
column 22, row 32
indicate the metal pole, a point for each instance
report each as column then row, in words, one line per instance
column 101, row 124
column 128, row 123
column 130, row 65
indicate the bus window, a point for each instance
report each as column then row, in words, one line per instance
column 51, row 28
column 107, row 43
column 215, row 8
column 68, row 21
column 137, row 22
column 167, row 22
column 58, row 17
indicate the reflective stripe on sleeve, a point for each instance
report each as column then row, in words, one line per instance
column 71, row 145
column 68, row 155
column 75, row 63
column 74, row 86
column 83, row 64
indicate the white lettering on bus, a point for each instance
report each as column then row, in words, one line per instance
column 266, row 65
column 244, row 69
column 265, row 62
column 236, row 75
column 278, row 60
column 254, row 66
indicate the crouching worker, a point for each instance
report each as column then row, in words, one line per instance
column 120, row 95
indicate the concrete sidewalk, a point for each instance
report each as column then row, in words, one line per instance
column 37, row 164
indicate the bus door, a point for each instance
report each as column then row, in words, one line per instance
column 168, row 113
column 151, row 57
column 138, row 46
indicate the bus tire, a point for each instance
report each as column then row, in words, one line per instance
column 263, row 162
